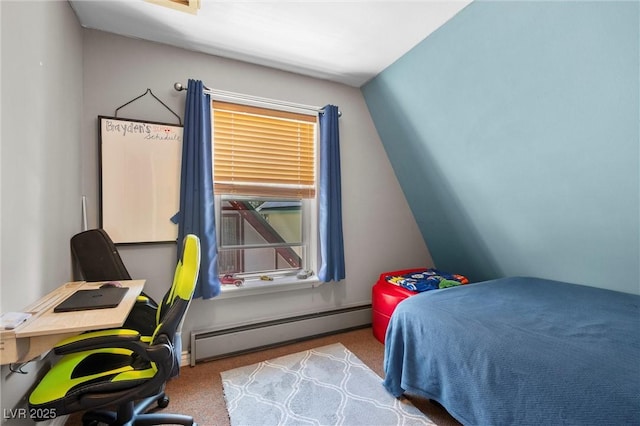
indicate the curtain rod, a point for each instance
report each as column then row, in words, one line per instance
column 237, row 96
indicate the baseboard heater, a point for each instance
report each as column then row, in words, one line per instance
column 209, row 345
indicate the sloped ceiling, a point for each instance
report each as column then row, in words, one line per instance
column 348, row 42
column 516, row 145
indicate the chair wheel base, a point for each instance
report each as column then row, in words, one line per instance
column 163, row 402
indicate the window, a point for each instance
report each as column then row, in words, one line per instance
column 189, row 6
column 265, row 185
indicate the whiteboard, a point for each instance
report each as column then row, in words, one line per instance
column 139, row 179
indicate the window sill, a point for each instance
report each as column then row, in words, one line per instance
column 257, row 286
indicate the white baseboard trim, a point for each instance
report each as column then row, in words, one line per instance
column 219, row 343
column 185, row 359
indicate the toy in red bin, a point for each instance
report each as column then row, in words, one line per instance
column 393, row 287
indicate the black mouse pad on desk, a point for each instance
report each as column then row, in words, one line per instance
column 99, row 298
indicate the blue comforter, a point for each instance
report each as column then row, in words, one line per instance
column 520, row 351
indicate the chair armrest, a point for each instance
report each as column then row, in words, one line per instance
column 116, row 337
column 161, row 353
column 143, row 298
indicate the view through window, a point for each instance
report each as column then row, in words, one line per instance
column 264, row 176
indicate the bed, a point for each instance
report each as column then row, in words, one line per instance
column 519, row 351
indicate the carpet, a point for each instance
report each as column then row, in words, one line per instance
column 322, row 386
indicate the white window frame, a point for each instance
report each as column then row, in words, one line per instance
column 280, row 281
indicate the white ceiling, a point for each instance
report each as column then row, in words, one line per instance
column 348, row 41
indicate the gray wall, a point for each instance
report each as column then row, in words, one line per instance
column 57, row 78
column 40, row 163
column 380, row 231
column 513, row 130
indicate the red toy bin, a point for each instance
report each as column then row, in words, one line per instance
column 385, row 298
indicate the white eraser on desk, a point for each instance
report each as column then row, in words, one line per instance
column 11, row 320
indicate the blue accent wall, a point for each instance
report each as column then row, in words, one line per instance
column 514, row 133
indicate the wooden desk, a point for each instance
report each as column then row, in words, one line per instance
column 45, row 328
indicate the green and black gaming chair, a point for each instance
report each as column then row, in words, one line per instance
column 95, row 257
column 117, row 367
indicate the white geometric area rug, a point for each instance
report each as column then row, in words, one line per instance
column 323, row 386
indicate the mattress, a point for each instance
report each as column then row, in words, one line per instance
column 519, row 351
